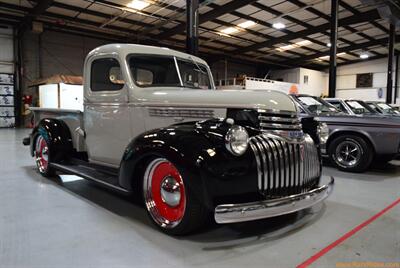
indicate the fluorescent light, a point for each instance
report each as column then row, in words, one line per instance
column 364, row 56
column 303, row 43
column 327, row 57
column 229, row 30
column 138, row 4
column 278, row 25
column 292, row 46
column 246, row 24
column 329, row 45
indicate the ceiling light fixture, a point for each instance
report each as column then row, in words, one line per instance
column 295, row 45
column 246, row 24
column 364, row 56
column 329, row 45
column 278, row 25
column 229, row 30
column 138, row 4
column 327, row 57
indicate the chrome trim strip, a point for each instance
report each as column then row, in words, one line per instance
column 271, row 173
column 287, row 164
column 257, row 157
column 279, row 119
column 279, row 126
column 230, row 213
column 188, row 113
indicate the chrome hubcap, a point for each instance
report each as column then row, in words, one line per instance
column 164, row 193
column 348, row 153
column 41, row 154
column 170, row 191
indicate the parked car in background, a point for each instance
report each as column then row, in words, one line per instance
column 352, row 107
column 153, row 126
column 383, row 108
column 354, row 141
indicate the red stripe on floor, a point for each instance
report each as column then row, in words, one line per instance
column 325, row 250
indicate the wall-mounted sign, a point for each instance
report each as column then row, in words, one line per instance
column 364, row 80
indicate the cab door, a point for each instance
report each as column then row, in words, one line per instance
column 107, row 115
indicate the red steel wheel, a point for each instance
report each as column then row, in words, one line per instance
column 42, row 154
column 164, row 193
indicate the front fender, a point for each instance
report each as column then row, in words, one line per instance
column 200, row 155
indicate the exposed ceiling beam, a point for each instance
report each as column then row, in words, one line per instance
column 362, row 60
column 327, row 18
column 36, row 11
column 210, row 15
column 346, row 49
column 366, row 16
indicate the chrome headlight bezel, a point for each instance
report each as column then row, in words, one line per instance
column 237, row 140
column 323, row 132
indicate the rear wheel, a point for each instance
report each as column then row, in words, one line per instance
column 170, row 202
column 42, row 156
column 351, row 153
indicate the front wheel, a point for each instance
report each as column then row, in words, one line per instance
column 351, row 153
column 42, row 156
column 172, row 205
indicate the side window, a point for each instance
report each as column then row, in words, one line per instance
column 105, row 75
column 338, row 106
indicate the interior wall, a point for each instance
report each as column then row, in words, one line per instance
column 346, row 80
column 233, row 70
column 289, row 75
column 316, row 84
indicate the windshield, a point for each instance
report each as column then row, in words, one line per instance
column 387, row 109
column 360, row 107
column 317, row 105
column 162, row 71
column 194, row 75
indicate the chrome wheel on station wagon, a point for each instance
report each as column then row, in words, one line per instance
column 348, row 153
column 351, row 153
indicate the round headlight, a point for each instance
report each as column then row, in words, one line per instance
column 323, row 132
column 236, row 140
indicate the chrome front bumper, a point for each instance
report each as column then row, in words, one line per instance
column 230, row 213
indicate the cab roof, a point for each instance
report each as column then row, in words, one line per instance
column 125, row 49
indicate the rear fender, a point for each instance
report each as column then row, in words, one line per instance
column 57, row 135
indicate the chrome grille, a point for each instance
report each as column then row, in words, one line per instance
column 285, row 167
column 278, row 121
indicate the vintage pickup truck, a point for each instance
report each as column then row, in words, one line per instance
column 154, row 126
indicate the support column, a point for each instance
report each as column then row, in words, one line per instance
column 192, row 26
column 389, row 85
column 333, row 51
column 396, row 78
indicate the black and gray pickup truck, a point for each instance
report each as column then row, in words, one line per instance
column 154, row 126
column 353, row 141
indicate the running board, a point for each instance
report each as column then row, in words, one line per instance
column 87, row 172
